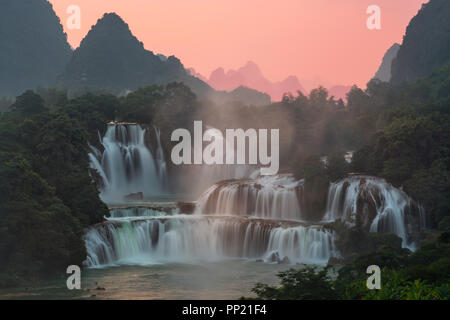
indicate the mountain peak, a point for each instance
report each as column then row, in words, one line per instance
column 384, row 71
column 425, row 45
column 111, row 33
column 112, row 20
column 250, row 69
column 112, row 16
column 250, row 76
column 110, row 56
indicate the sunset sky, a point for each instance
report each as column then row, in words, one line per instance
column 324, row 41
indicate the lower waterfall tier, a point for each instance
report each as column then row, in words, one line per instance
column 190, row 239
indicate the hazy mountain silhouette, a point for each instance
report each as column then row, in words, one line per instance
column 426, row 44
column 339, row 92
column 250, row 76
column 242, row 94
column 384, row 71
column 33, row 46
column 111, row 58
column 194, row 73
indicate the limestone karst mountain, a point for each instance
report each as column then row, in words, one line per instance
column 426, row 44
column 384, row 71
column 33, row 46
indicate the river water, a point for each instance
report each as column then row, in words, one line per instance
column 228, row 279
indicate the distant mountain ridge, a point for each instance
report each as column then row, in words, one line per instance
column 250, row 76
column 33, row 46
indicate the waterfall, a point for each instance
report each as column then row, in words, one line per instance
column 193, row 238
column 127, row 166
column 248, row 217
column 269, row 197
column 377, row 205
column 371, row 202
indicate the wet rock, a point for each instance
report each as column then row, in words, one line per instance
column 134, row 196
column 333, row 261
column 285, row 260
column 366, row 209
column 274, row 257
column 186, row 207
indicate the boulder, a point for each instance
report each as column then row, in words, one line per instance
column 135, row 196
column 285, row 260
column 186, row 207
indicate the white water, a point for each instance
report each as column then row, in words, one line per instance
column 127, row 165
column 380, row 207
column 256, row 218
column 269, row 197
column 193, row 239
column 394, row 208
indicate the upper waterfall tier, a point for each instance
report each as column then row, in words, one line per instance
column 270, row 197
column 127, row 165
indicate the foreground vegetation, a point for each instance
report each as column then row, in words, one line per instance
column 422, row 275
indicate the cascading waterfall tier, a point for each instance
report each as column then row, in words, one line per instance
column 183, row 238
column 375, row 205
column 269, row 197
column 370, row 202
column 127, row 166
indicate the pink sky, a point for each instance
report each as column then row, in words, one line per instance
column 312, row 39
